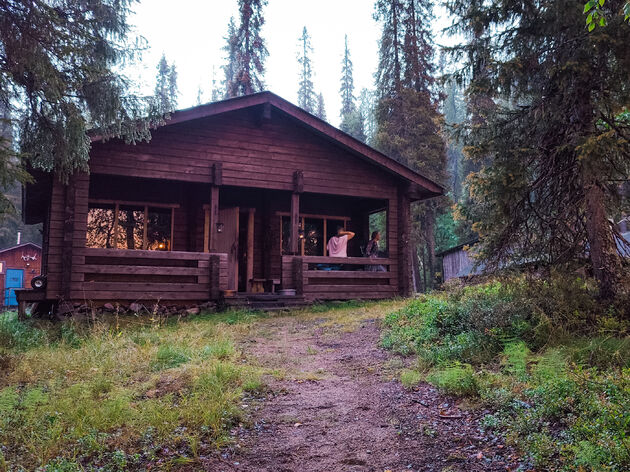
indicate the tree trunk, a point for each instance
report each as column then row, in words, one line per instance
column 602, row 248
column 415, row 267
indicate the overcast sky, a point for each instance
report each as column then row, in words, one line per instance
column 191, row 34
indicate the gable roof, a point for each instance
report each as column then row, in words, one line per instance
column 21, row 246
column 420, row 186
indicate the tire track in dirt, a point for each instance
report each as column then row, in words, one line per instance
column 338, row 411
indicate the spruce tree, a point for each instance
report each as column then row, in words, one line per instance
column 166, row 85
column 230, row 50
column 351, row 117
column 367, row 110
column 307, row 99
column 321, row 107
column 173, row 90
column 347, row 83
column 59, row 76
column 548, row 132
column 249, row 51
column 408, row 121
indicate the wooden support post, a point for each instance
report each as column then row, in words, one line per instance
column 404, row 244
column 215, row 275
column 213, row 218
column 298, row 275
column 250, row 249
column 268, row 234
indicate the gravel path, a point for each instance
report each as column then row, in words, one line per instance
column 338, row 408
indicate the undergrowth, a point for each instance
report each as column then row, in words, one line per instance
column 545, row 356
column 109, row 395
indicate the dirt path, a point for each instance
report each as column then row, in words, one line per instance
column 338, row 408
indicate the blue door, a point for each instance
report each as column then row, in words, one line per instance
column 13, row 279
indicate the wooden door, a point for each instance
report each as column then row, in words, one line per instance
column 227, row 242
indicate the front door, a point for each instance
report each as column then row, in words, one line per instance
column 227, row 242
column 13, row 279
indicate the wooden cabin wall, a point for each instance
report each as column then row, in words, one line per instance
column 252, row 155
column 68, row 226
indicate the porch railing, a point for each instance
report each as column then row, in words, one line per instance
column 309, row 277
column 118, row 274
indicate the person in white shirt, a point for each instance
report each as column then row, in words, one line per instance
column 338, row 244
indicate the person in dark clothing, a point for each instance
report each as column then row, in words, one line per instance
column 372, row 251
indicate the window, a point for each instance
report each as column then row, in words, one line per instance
column 316, row 230
column 130, row 226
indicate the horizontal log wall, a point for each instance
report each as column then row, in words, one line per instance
column 252, row 155
column 136, row 275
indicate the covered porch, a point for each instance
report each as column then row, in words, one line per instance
column 175, row 241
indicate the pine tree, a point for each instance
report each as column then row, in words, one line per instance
column 547, row 131
column 321, row 108
column 249, row 51
column 307, row 99
column 352, row 121
column 59, row 74
column 407, row 114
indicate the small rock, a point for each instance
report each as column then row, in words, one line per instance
column 135, row 307
column 193, row 311
column 109, row 307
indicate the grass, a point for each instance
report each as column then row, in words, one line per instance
column 134, row 392
column 111, row 393
column 551, row 362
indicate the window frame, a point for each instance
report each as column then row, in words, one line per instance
column 146, row 205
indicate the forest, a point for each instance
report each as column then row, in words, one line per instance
column 523, row 119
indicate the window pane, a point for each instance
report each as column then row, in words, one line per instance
column 159, row 229
column 130, row 227
column 313, row 237
column 100, row 226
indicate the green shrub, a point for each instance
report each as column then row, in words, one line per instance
column 410, row 378
column 456, row 379
column 553, row 364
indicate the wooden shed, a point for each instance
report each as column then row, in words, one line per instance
column 18, row 265
column 233, row 197
column 456, row 262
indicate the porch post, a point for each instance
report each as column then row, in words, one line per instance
column 404, row 244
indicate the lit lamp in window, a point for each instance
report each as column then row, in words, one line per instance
column 300, row 233
column 161, row 246
column 220, row 227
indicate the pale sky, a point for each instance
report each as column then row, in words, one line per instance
column 191, row 34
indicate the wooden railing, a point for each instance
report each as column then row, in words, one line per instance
column 117, row 274
column 349, row 280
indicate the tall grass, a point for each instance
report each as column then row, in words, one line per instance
column 89, row 397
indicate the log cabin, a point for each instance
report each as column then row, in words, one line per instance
column 232, row 200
